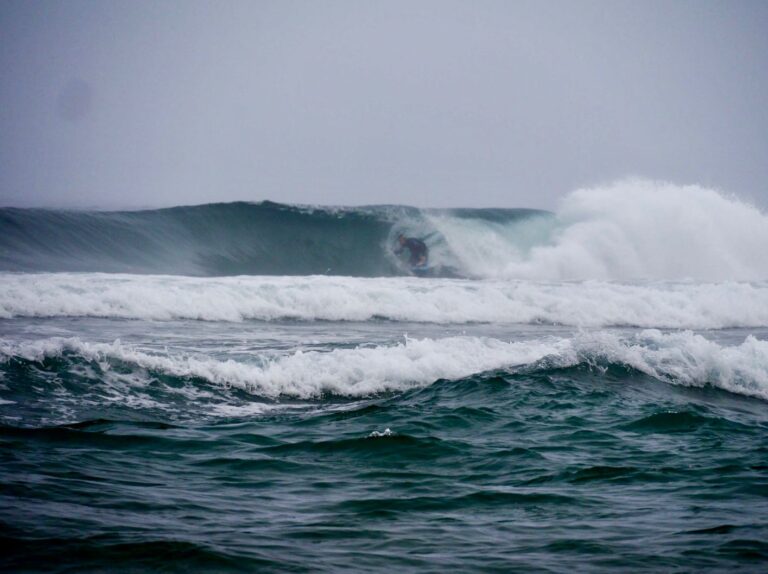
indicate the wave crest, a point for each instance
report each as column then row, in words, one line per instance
column 681, row 358
column 630, row 230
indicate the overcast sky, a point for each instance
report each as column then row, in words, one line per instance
column 430, row 103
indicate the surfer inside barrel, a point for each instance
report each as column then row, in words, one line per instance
column 418, row 250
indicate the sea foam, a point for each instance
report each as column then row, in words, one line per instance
column 630, row 230
column 349, row 372
column 682, row 358
column 685, row 305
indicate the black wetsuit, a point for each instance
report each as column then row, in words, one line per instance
column 418, row 250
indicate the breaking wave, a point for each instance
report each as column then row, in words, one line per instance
column 683, row 305
column 682, row 358
column 627, row 231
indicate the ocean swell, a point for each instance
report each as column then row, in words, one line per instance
column 682, row 358
column 631, row 230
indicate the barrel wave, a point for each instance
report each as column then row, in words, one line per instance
column 630, row 230
column 226, row 239
column 258, row 387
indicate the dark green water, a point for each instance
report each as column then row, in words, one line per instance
column 262, row 388
column 231, row 239
column 108, row 465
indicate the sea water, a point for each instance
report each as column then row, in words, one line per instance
column 262, row 387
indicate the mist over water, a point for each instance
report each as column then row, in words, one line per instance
column 444, row 103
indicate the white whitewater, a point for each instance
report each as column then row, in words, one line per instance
column 631, row 230
column 684, row 305
column 683, row 358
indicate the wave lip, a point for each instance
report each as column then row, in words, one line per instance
column 356, row 372
column 226, row 239
column 681, row 358
column 588, row 304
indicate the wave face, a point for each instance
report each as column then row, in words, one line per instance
column 225, row 239
column 627, row 231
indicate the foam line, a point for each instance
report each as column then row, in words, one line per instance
column 685, row 305
column 683, row 358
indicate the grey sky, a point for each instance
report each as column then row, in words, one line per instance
column 476, row 103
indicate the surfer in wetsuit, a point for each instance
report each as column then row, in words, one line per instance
column 418, row 250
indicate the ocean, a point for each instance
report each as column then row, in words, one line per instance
column 259, row 387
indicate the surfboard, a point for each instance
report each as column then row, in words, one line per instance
column 421, row 270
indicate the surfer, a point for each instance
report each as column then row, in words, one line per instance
column 418, row 250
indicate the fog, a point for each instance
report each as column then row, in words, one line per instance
column 434, row 103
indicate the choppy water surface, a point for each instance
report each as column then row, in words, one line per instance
column 161, row 451
column 598, row 402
